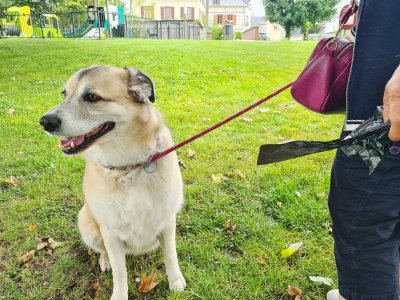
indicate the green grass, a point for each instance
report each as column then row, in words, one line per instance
column 197, row 83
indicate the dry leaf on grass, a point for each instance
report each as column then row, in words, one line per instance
column 293, row 248
column 235, row 174
column 47, row 245
column 191, row 153
column 11, row 112
column 32, row 227
column 298, row 194
column 321, row 195
column 148, row 283
column 294, row 292
column 319, row 279
column 14, row 181
column 247, row 119
column 94, row 288
column 27, row 256
column 263, row 110
column 218, row 178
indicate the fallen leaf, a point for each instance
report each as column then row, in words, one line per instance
column 21, row 153
column 320, row 279
column 261, row 261
column 294, row 292
column 291, row 249
column 320, row 195
column 54, row 244
column 279, row 204
column 14, row 181
column 27, row 256
column 90, row 252
column 277, row 112
column 297, row 194
column 235, row 173
column 330, row 230
column 265, row 128
column 263, row 110
column 32, row 227
column 247, row 119
column 148, row 283
column 191, row 153
column 95, row 285
column 47, row 245
column 227, row 223
column 218, row 178
column 11, row 112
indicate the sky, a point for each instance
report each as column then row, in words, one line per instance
column 257, row 8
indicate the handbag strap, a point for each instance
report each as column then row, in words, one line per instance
column 351, row 10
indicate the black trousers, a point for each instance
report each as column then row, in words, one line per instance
column 365, row 210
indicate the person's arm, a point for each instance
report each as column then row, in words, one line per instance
column 391, row 102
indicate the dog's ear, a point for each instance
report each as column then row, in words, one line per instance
column 140, row 86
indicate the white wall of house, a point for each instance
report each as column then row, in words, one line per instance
column 169, row 9
column 240, row 15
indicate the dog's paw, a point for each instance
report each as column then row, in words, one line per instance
column 104, row 262
column 177, row 285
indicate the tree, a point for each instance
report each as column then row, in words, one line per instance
column 291, row 14
column 47, row 5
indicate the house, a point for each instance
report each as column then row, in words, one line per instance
column 236, row 11
column 266, row 30
column 169, row 9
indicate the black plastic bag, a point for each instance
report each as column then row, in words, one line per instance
column 370, row 141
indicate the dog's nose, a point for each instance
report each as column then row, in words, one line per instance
column 50, row 122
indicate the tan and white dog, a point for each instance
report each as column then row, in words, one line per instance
column 130, row 206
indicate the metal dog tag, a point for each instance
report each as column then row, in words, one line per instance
column 150, row 167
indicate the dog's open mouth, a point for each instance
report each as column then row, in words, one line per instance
column 73, row 145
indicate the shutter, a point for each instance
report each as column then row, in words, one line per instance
column 192, row 9
column 162, row 13
column 142, row 11
column 234, row 18
column 224, row 18
column 173, row 13
column 215, row 19
column 182, row 12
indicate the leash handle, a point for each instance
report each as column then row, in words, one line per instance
column 219, row 124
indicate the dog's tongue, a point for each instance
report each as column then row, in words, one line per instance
column 66, row 142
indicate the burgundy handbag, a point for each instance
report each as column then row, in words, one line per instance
column 321, row 87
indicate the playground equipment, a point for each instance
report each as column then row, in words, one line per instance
column 19, row 22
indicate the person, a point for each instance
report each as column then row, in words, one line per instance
column 365, row 208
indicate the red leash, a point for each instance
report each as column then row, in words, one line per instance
column 204, row 132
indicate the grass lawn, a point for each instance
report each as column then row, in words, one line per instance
column 197, row 84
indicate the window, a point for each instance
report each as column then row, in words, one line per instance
column 219, row 19
column 147, row 12
column 230, row 17
column 190, row 13
column 167, row 13
column 216, row 2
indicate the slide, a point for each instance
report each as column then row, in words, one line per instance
column 81, row 31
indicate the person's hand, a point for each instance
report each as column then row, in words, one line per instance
column 391, row 105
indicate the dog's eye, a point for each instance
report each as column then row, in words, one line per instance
column 93, row 98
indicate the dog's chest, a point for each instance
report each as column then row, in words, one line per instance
column 135, row 211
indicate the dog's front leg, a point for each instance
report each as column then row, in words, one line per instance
column 116, row 255
column 167, row 241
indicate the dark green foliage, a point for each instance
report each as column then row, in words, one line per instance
column 291, row 14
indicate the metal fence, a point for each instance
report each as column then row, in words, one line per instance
column 95, row 24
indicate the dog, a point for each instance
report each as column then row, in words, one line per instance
column 130, row 205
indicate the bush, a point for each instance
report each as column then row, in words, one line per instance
column 217, row 33
column 238, row 35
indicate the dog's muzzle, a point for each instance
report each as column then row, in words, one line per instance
column 50, row 123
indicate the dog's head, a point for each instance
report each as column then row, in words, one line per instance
column 97, row 100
